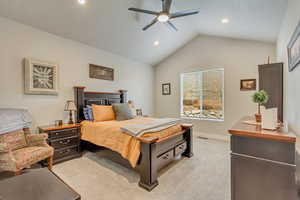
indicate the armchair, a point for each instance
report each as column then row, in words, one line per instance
column 20, row 149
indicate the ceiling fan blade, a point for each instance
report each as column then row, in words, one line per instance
column 143, row 11
column 151, row 24
column 183, row 13
column 171, row 25
column 167, row 5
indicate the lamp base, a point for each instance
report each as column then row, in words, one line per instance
column 71, row 118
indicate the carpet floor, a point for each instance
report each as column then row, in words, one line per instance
column 206, row 176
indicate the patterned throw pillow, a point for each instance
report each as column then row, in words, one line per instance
column 90, row 112
column 15, row 139
column 86, row 113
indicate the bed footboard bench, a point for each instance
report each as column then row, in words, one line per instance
column 155, row 154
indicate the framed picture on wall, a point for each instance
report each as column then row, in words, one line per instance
column 248, row 84
column 166, row 89
column 294, row 49
column 100, row 72
column 41, row 77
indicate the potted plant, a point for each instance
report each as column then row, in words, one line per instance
column 260, row 98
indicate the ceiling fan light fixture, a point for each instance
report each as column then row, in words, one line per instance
column 163, row 18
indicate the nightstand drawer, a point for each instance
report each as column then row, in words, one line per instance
column 60, row 153
column 66, row 142
column 63, row 133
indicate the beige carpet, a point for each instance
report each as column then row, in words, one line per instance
column 206, row 176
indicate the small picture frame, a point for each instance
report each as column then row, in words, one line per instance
column 166, row 89
column 139, row 112
column 248, row 84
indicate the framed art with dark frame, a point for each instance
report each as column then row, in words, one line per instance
column 166, row 89
column 248, row 84
column 294, row 49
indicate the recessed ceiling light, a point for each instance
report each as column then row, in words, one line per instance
column 156, row 43
column 81, row 2
column 225, row 20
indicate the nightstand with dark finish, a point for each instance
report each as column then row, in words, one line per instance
column 65, row 140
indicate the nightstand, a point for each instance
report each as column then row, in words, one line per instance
column 64, row 139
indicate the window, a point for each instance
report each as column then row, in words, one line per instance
column 202, row 95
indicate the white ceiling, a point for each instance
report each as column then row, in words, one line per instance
column 108, row 25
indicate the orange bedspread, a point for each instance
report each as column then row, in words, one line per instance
column 108, row 134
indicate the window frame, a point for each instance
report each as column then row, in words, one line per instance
column 223, row 96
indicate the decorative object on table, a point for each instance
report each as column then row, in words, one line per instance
column 100, row 72
column 139, row 112
column 64, row 139
column 166, row 89
column 269, row 118
column 70, row 106
column 248, row 84
column 294, row 49
column 58, row 122
column 260, row 98
column 41, row 77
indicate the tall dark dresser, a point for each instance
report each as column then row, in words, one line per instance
column 271, row 80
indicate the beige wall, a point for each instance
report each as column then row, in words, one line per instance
column 239, row 58
column 18, row 41
column 291, row 79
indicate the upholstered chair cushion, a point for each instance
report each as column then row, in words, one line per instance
column 122, row 111
column 30, row 155
column 15, row 139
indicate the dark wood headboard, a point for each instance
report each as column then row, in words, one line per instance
column 83, row 98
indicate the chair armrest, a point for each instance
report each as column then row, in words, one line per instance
column 4, row 148
column 37, row 139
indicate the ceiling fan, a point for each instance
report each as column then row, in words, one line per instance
column 164, row 16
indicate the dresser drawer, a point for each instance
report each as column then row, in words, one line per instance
column 180, row 149
column 264, row 148
column 62, row 143
column 63, row 133
column 60, row 153
column 165, row 158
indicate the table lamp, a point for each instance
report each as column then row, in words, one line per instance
column 70, row 106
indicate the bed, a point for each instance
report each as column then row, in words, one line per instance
column 147, row 154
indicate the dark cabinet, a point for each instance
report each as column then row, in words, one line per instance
column 271, row 80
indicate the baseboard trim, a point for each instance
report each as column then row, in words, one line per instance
column 213, row 136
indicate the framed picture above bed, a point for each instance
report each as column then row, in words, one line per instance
column 100, row 72
column 294, row 49
column 41, row 77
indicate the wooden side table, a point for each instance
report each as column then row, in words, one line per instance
column 64, row 139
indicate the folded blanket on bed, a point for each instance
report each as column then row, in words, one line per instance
column 137, row 130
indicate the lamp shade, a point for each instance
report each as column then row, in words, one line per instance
column 70, row 106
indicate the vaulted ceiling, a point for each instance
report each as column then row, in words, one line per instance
column 108, row 25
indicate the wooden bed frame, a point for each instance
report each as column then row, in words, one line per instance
column 155, row 153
